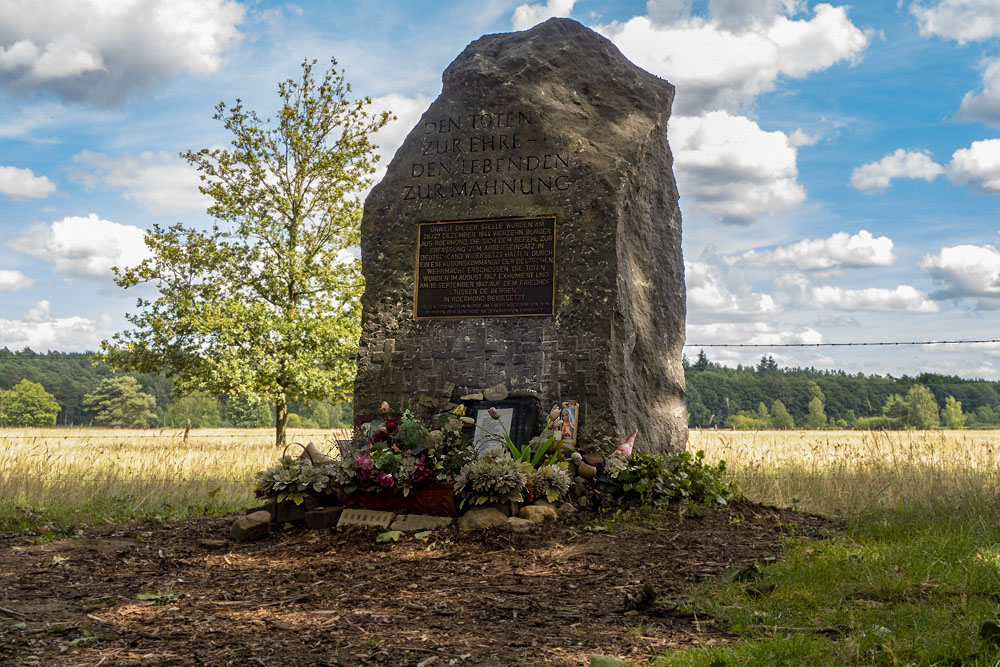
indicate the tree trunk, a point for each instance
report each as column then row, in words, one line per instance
column 280, row 422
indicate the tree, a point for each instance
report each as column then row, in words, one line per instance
column 923, row 408
column 701, row 363
column 199, row 407
column 763, row 414
column 780, row 419
column 242, row 413
column 28, row 404
column 816, row 418
column 118, row 402
column 952, row 414
column 896, row 410
column 265, row 305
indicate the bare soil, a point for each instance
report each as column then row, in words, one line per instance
column 165, row 594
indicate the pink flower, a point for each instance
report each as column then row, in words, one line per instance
column 385, row 480
column 384, row 408
column 494, row 413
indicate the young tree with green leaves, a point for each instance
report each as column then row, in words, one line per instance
column 28, row 404
column 816, row 417
column 265, row 305
column 922, row 407
column 780, row 418
column 119, row 402
column 952, row 414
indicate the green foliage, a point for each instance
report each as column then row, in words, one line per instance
column 676, row 477
column 922, row 407
column 118, row 402
column 816, row 418
column 715, row 393
column 265, row 305
column 243, row 413
column 747, row 421
column 199, row 407
column 28, row 404
column 952, row 414
column 904, row 587
column 780, row 419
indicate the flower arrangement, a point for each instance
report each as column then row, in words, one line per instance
column 293, row 478
column 391, row 455
column 551, row 481
column 496, row 477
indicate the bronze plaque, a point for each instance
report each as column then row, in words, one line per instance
column 501, row 267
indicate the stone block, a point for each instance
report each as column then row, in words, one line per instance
column 584, row 174
column 251, row 527
column 539, row 513
column 365, row 518
column 518, row 525
column 418, row 522
column 324, row 517
column 479, row 519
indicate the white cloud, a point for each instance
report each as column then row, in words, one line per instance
column 40, row 331
column 966, row 271
column 20, row 184
column 961, row 20
column 735, row 170
column 977, row 166
column 161, row 182
column 84, row 247
column 902, row 299
column 715, row 66
column 11, row 280
column 750, row 333
column 877, row 176
column 984, row 106
column 526, row 16
column 100, row 52
column 407, row 111
column 715, row 291
column 836, row 252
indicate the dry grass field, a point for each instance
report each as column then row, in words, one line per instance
column 68, row 477
column 851, row 472
column 63, row 478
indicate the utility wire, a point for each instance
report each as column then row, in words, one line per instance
column 909, row 342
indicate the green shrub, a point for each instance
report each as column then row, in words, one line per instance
column 677, row 477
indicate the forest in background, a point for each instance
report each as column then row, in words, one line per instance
column 70, row 377
column 764, row 396
column 745, row 397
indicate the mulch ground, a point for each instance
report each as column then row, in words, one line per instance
column 157, row 594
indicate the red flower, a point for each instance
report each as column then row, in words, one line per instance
column 391, row 425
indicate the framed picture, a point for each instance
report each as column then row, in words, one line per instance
column 489, row 432
column 571, row 421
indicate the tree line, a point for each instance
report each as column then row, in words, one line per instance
column 767, row 396
column 74, row 389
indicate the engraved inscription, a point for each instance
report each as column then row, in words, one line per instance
column 484, row 154
column 486, row 268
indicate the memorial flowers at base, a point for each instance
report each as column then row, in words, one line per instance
column 295, row 478
column 398, row 454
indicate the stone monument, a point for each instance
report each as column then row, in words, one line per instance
column 526, row 240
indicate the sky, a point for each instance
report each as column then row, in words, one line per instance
column 838, row 165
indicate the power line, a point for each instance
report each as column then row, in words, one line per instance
column 871, row 344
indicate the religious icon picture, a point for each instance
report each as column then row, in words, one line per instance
column 570, row 416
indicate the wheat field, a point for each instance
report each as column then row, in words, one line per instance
column 66, row 477
column 60, row 479
column 851, row 472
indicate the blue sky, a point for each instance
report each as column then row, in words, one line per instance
column 839, row 166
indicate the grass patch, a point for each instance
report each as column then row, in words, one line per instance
column 911, row 579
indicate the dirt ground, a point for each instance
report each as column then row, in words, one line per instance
column 181, row 593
